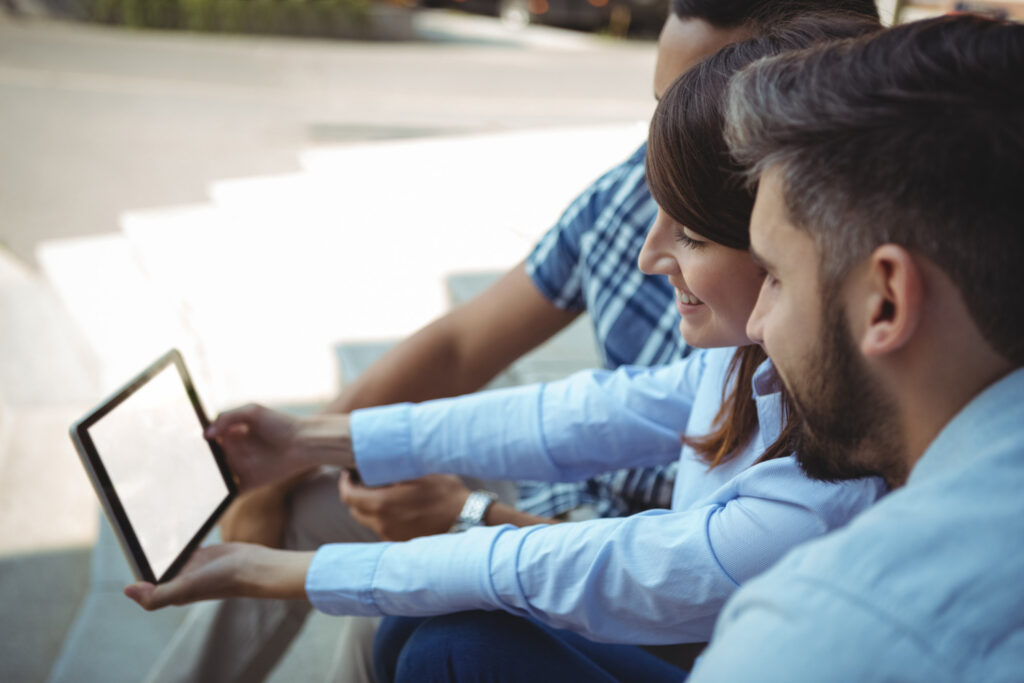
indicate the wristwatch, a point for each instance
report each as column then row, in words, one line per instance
column 473, row 510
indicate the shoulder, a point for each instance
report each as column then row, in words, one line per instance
column 935, row 573
column 619, row 198
column 617, row 207
column 785, row 627
column 630, row 171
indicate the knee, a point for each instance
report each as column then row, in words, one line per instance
column 316, row 516
column 388, row 643
column 454, row 647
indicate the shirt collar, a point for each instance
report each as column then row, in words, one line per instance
column 989, row 418
column 768, row 397
column 766, row 380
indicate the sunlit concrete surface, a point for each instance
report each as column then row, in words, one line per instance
column 258, row 286
column 272, row 208
column 95, row 120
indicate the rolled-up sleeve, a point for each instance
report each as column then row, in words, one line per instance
column 644, row 579
column 772, row 507
column 656, row 577
column 592, row 422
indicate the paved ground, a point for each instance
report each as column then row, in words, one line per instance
column 97, row 122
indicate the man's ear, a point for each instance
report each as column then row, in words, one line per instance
column 891, row 306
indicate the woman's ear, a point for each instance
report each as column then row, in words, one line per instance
column 891, row 300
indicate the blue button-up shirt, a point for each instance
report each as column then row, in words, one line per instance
column 926, row 586
column 658, row 577
column 587, row 262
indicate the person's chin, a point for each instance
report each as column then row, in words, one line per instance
column 700, row 337
column 815, row 468
column 827, row 461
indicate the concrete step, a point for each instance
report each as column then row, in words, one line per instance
column 569, row 351
column 47, row 377
column 280, row 282
column 126, row 321
column 240, row 293
column 46, row 361
column 47, row 511
column 284, row 267
column 48, row 520
column 518, row 182
column 112, row 639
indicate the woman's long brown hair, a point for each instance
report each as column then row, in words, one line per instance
column 695, row 181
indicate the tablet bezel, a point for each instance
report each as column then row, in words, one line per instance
column 105, row 490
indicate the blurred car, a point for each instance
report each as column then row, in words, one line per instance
column 616, row 16
column 911, row 10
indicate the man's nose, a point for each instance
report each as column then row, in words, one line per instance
column 755, row 323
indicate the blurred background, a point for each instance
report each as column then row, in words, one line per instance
column 279, row 189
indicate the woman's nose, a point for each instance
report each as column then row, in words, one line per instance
column 656, row 255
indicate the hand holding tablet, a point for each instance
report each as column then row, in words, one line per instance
column 165, row 474
column 162, row 485
column 264, row 446
column 229, row 570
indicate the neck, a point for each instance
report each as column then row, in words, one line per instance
column 935, row 377
column 929, row 410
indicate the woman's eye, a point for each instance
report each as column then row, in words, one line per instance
column 687, row 241
column 767, row 278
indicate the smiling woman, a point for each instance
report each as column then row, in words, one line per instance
column 702, row 229
column 700, row 239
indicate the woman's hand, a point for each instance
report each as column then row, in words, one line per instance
column 265, row 446
column 230, row 570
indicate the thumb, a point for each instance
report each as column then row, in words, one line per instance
column 141, row 592
column 345, row 486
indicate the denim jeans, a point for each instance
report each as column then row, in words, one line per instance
column 497, row 647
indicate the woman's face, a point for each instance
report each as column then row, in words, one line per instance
column 716, row 286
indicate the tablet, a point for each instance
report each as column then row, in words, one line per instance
column 161, row 483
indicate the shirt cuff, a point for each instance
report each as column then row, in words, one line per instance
column 423, row 577
column 382, row 443
column 438, row 574
column 340, row 578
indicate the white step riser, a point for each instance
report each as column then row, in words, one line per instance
column 518, row 182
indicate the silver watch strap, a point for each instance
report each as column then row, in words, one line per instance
column 473, row 510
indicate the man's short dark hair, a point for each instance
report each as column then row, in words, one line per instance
column 914, row 136
column 765, row 14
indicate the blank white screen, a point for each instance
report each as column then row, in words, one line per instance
column 161, row 467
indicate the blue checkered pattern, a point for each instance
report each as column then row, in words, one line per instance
column 587, row 261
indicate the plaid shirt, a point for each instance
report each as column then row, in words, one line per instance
column 588, row 261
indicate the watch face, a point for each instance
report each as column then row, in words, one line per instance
column 473, row 510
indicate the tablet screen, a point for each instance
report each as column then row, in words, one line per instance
column 160, row 471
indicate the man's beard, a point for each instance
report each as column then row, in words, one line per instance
column 848, row 424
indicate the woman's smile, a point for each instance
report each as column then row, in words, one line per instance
column 686, row 302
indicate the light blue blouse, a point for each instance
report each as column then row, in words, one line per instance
column 657, row 577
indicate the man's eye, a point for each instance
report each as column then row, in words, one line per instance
column 767, row 278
